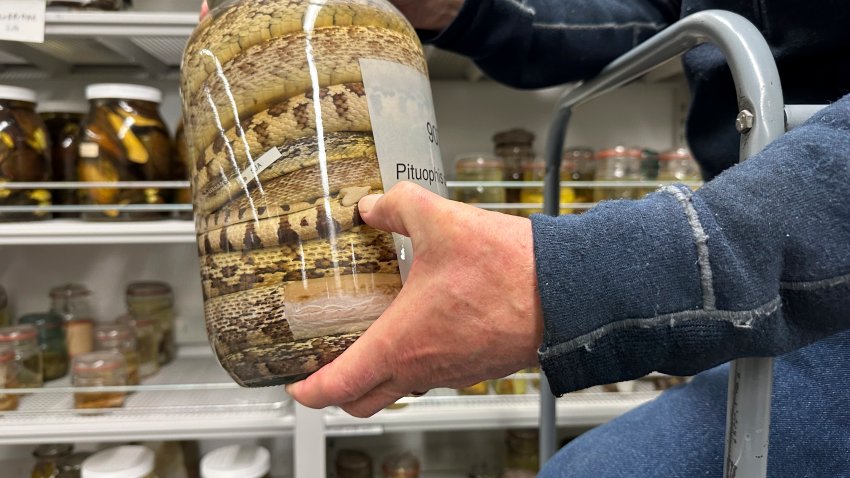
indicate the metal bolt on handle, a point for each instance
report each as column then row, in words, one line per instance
column 744, row 121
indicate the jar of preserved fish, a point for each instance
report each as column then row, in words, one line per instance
column 146, row 332
column 295, row 110
column 63, row 119
column 119, row 337
column 51, row 339
column 8, row 378
column 24, row 341
column 24, row 153
column 99, row 369
column 123, row 139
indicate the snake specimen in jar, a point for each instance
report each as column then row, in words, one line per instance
column 291, row 274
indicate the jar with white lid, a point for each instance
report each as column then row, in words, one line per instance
column 63, row 119
column 121, row 462
column 24, row 153
column 236, row 461
column 123, row 138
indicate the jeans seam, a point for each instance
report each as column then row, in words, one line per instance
column 520, row 5
column 817, row 284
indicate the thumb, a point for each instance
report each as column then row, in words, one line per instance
column 403, row 209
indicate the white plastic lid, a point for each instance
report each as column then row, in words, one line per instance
column 16, row 93
column 120, row 462
column 236, row 461
column 122, row 91
column 63, row 106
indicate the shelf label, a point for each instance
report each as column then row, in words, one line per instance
column 22, row 20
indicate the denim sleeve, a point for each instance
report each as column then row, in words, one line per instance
column 755, row 263
column 537, row 43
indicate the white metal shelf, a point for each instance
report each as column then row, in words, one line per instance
column 71, row 231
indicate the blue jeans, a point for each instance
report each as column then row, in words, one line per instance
column 681, row 434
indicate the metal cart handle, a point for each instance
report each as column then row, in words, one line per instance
column 760, row 121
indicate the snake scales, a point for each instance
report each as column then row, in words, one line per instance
column 291, row 275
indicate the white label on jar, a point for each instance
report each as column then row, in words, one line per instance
column 406, row 136
column 89, row 150
column 261, row 164
column 22, row 20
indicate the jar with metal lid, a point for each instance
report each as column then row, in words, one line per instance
column 579, row 164
column 146, row 331
column 236, row 461
column 24, row 340
column 678, row 165
column 51, row 339
column 516, row 148
column 123, row 138
column 155, row 300
column 73, row 303
column 4, row 307
column 63, row 119
column 180, row 170
column 131, row 461
column 119, row 337
column 353, row 464
column 479, row 168
column 522, row 450
column 618, row 164
column 8, row 378
column 99, row 369
column 536, row 171
column 107, row 5
column 47, row 459
column 24, row 153
column 71, row 466
column 401, row 465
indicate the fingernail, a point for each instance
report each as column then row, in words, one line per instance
column 367, row 203
column 290, row 389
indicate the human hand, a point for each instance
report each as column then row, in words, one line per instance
column 469, row 310
column 432, row 15
column 205, row 10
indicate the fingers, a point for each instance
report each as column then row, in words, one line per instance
column 204, row 10
column 402, row 209
column 374, row 401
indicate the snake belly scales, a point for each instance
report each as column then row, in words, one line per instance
column 291, row 275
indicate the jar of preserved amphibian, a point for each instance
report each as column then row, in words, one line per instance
column 155, row 301
column 479, row 168
column 123, row 138
column 236, row 461
column 295, row 110
column 119, row 337
column 99, row 369
column 24, row 340
column 51, row 339
column 47, row 460
column 73, row 303
column 24, row 153
column 130, row 461
column 353, row 464
column 146, row 332
column 401, row 465
column 618, row 164
column 107, row 5
column 4, row 307
column 8, row 378
column 63, row 119
column 678, row 165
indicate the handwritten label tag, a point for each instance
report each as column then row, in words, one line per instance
column 260, row 164
column 22, row 20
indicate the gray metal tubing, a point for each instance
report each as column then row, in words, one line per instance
column 548, row 426
column 795, row 115
column 759, row 93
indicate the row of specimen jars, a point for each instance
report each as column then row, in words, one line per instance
column 119, row 136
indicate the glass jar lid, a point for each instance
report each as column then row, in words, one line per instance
column 70, row 291
column 52, row 451
column 98, row 361
column 236, row 461
column 16, row 93
column 17, row 333
column 147, row 289
column 121, row 91
column 63, row 106
column 113, row 331
column 478, row 161
column 514, row 136
column 120, row 462
column 579, row 152
column 680, row 153
column 619, row 152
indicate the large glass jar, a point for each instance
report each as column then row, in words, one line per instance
column 296, row 109
column 618, row 164
column 123, row 139
column 131, row 461
column 155, row 301
column 72, row 302
column 51, row 339
column 63, row 119
column 479, row 168
column 146, row 332
column 353, row 464
column 236, row 461
column 119, row 337
column 678, row 165
column 24, row 340
column 24, row 153
column 85, row 4
column 180, row 169
column 47, row 459
column 8, row 378
column 4, row 307
column 579, row 164
column 99, row 369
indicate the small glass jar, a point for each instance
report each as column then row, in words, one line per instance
column 522, row 450
column 63, row 119
column 579, row 164
column 402, row 465
column 155, row 300
column 536, row 171
column 618, row 164
column 24, row 340
column 237, row 461
column 99, row 369
column 123, row 139
column 121, row 462
column 24, row 153
column 72, row 302
column 4, row 307
column 480, row 168
column 516, row 148
column 678, row 165
column 146, row 331
column 51, row 339
column 8, row 378
column 107, row 5
column 119, row 337
column 72, row 466
column 353, row 464
column 180, row 170
column 480, row 388
column 47, row 459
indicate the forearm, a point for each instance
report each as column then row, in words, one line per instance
column 755, row 263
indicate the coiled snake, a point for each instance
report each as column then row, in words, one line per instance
column 291, row 275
